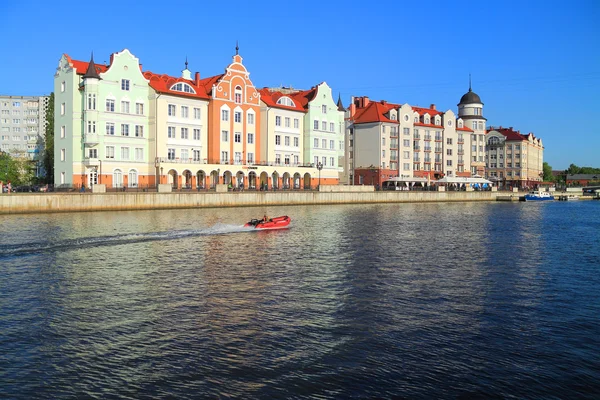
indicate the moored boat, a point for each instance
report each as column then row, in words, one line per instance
column 269, row 223
column 538, row 195
column 568, row 197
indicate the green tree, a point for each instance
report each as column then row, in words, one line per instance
column 48, row 158
column 9, row 169
column 548, row 177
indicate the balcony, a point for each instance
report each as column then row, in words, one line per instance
column 417, row 137
column 90, row 162
column 461, row 152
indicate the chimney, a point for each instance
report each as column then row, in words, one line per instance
column 383, row 102
column 365, row 101
column 197, row 78
column 432, row 106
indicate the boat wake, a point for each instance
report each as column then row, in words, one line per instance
column 115, row 240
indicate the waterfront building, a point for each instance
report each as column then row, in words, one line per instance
column 282, row 132
column 470, row 111
column 388, row 140
column 514, row 159
column 120, row 126
column 23, row 127
column 101, row 123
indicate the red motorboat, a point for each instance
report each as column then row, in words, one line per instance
column 270, row 223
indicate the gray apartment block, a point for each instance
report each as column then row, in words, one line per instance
column 22, row 125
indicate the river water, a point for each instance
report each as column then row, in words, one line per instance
column 446, row 300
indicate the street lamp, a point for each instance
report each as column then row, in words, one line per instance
column 319, row 168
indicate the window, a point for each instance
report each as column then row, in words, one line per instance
column 110, row 128
column 250, row 138
column 382, row 153
column 331, row 127
column 286, row 159
column 110, row 105
column 316, row 160
column 406, row 143
column 316, row 125
column 224, row 115
column 277, row 140
column 182, row 87
column 92, row 153
column 91, row 127
column 238, row 94
column 63, row 154
column 237, row 137
column 172, row 110
column 224, row 157
column 449, row 163
column 184, row 112
column 277, row 121
column 237, row 157
column 225, row 136
column 139, row 131
column 132, row 178
column 332, row 145
column 407, row 155
column 448, row 140
column 110, row 152
column 124, row 84
column 296, row 142
column 250, row 158
column 117, row 178
column 184, row 154
column 171, row 154
column 139, row 108
column 407, row 131
column 287, row 141
column 296, row 123
column 316, row 144
column 184, row 133
column 196, row 113
column 383, row 141
column 63, row 131
column 196, row 134
column 62, row 109
column 287, row 122
column 139, row 154
column 324, row 126
column 91, row 101
column 449, row 152
column 171, row 132
column 124, row 153
column 324, row 161
column 196, row 155
column 324, row 109
column 62, row 86
column 324, row 143
column 124, row 130
column 251, row 119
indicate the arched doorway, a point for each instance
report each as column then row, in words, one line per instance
column 239, row 180
column 227, row 180
column 132, row 179
column 200, row 179
column 214, row 179
column 187, row 175
column 117, row 178
column 297, row 178
column 286, row 180
column 275, row 180
column 172, row 178
column 252, row 180
column 264, row 181
column 307, row 181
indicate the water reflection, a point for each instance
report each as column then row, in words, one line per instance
column 368, row 300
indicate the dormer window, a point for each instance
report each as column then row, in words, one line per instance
column 416, row 119
column 437, row 121
column 393, row 116
column 183, row 87
column 460, row 124
column 426, row 120
column 286, row 101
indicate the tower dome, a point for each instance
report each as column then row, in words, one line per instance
column 470, row 97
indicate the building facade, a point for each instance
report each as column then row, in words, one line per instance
column 514, row 159
column 23, row 127
column 124, row 127
column 470, row 111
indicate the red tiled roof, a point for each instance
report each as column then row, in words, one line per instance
column 209, row 82
column 428, row 125
column 270, row 99
column 373, row 112
column 82, row 66
column 423, row 111
column 465, row 129
column 510, row 134
column 304, row 97
column 163, row 84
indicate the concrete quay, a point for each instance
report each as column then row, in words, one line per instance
column 80, row 202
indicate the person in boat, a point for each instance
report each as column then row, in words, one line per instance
column 266, row 218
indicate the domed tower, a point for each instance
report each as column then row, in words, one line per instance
column 470, row 110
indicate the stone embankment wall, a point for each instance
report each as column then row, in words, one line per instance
column 73, row 202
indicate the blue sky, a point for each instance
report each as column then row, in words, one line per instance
column 535, row 64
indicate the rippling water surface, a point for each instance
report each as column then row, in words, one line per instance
column 491, row 300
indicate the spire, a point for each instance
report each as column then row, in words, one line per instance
column 91, row 72
column 186, row 73
column 470, row 83
column 340, row 105
column 237, row 48
column 186, row 63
